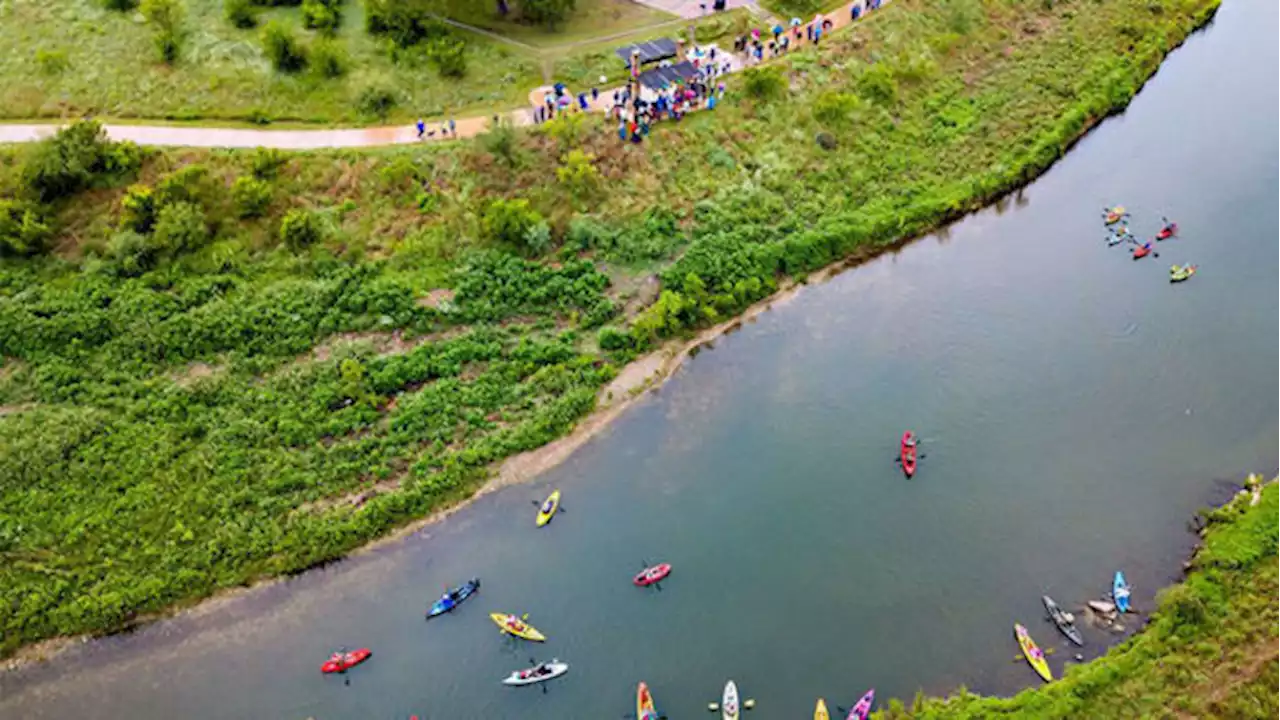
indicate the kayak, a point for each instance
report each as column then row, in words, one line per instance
column 644, row 704
column 549, row 507
column 513, row 625
column 729, row 702
column 1180, row 273
column 538, row 673
column 908, row 453
column 1142, row 251
column 341, row 662
column 820, row 712
column 1060, row 619
column 649, row 576
column 1120, row 590
column 459, row 595
column 1114, row 215
column 1167, row 231
column 1029, row 650
column 1115, row 238
column 863, row 708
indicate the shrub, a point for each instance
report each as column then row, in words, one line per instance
column 120, row 5
column 321, row 15
column 501, row 142
column 550, row 12
column 611, row 338
column 22, row 228
column 301, row 228
column 186, row 184
column 240, row 13
column 329, row 59
column 377, row 100
column 133, row 253
column 764, row 83
column 878, row 85
column 579, row 175
column 449, row 56
column 251, row 196
column 51, row 62
column 537, row 238
column 509, row 221
column 267, row 162
column 138, row 209
column 180, row 227
column 165, row 16
column 69, row 161
column 282, row 48
column 834, row 108
column 405, row 22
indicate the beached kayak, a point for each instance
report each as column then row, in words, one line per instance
column 820, row 712
column 1178, row 273
column 908, row 455
column 649, row 576
column 454, row 598
column 1060, row 619
column 1114, row 215
column 863, row 708
column 549, row 507
column 341, row 662
column 1120, row 591
column 538, row 673
column 729, row 702
column 1029, row 650
column 644, row 704
column 1167, row 231
column 513, row 625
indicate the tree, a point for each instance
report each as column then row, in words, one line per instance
column 550, row 12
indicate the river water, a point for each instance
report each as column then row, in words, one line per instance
column 1075, row 407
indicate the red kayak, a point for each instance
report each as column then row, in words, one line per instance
column 908, row 453
column 341, row 662
column 1167, row 231
column 1141, row 251
column 649, row 576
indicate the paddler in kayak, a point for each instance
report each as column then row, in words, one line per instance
column 514, row 624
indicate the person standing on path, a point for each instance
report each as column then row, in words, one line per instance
column 453, row 128
column 422, row 128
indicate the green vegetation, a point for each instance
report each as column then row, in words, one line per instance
column 203, row 384
column 1210, row 649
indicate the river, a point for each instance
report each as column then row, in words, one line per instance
column 1076, row 409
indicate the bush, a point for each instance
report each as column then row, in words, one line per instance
column 186, row 184
column 878, row 85
column 501, row 142
column 329, row 59
column 120, row 5
column 51, row 62
column 321, row 15
column 301, row 228
column 138, row 209
column 578, row 174
column 240, row 13
column 251, row 196
column 449, row 56
column 133, row 253
column 550, row 12
column 180, row 227
column 835, row 108
column 611, row 339
column 405, row 22
column 22, row 228
column 165, row 16
column 282, row 48
column 377, row 100
column 72, row 160
column 267, row 162
column 764, row 83
column 509, row 221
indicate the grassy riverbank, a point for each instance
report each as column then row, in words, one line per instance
column 1209, row 651
column 249, row 363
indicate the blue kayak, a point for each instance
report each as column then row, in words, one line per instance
column 1120, row 591
column 454, row 598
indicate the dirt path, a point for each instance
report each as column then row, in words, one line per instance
column 187, row 136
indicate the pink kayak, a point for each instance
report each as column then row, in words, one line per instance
column 863, row 708
column 649, row 576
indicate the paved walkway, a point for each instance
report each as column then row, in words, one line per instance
column 177, row 135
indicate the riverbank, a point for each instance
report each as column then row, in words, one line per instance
column 193, row 383
column 1208, row 650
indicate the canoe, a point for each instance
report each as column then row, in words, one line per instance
column 1178, row 273
column 908, row 455
column 512, row 625
column 541, row 672
column 1059, row 618
column 729, row 702
column 1114, row 215
column 341, row 662
column 644, row 704
column 649, row 576
column 863, row 708
column 1167, row 231
column 549, row 507
column 820, row 712
column 1120, row 591
column 1032, row 653
column 459, row 596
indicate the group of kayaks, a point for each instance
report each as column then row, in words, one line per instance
column 1066, row 625
column 1116, row 219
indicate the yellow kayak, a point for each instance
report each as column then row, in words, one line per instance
column 513, row 625
column 549, row 507
column 1032, row 652
column 820, row 712
column 644, row 704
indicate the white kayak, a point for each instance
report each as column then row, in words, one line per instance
column 729, row 702
column 538, row 673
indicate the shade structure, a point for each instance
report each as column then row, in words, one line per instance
column 663, row 77
column 651, row 51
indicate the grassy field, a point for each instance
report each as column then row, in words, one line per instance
column 590, row 19
column 219, row 366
